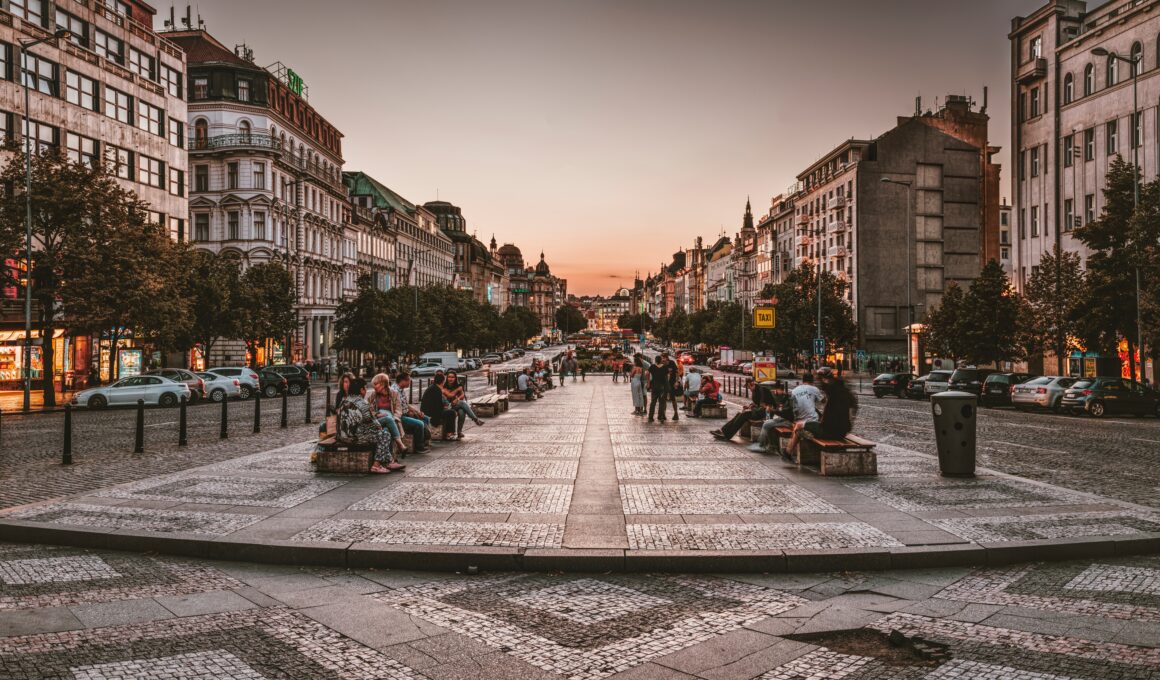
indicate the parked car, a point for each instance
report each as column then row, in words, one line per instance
column 998, row 388
column 246, row 376
column 916, row 389
column 153, row 389
column 272, row 383
column 1044, row 392
column 427, row 368
column 297, row 378
column 746, row 368
column 936, row 381
column 969, row 380
column 1110, row 396
column 893, row 384
column 518, row 352
column 219, row 388
column 196, row 384
column 472, row 363
column 492, row 358
column 786, row 374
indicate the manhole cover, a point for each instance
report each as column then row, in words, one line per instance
column 893, row 649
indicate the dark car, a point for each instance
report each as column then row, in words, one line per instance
column 1108, row 396
column 969, row 380
column 272, row 383
column 893, row 384
column 196, row 384
column 916, row 388
column 297, row 378
column 997, row 388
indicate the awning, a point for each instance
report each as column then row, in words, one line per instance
column 18, row 336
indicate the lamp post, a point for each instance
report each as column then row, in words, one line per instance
column 27, row 359
column 1134, row 64
column 909, row 236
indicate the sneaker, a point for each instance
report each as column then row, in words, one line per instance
column 661, row 419
column 378, row 469
column 395, row 466
column 460, row 437
column 718, row 434
column 675, row 418
column 478, row 423
column 756, row 448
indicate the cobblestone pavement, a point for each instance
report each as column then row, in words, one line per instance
column 91, row 614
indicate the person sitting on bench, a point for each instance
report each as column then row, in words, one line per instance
column 709, row 392
column 754, row 412
column 524, row 384
column 413, row 421
column 357, row 426
column 841, row 408
column 806, row 399
column 436, row 407
column 779, row 413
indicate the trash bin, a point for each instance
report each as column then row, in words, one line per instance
column 954, row 432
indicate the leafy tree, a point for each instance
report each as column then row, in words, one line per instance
column 992, row 313
column 518, row 324
column 676, row 326
column 266, row 305
column 212, row 284
column 723, row 325
column 797, row 312
column 360, row 323
column 570, row 320
column 637, row 323
column 944, row 324
column 1055, row 294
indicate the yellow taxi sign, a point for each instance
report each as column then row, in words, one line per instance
column 764, row 317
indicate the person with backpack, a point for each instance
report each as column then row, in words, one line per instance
column 356, row 425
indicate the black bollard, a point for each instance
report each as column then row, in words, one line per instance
column 307, row 418
column 1, row 422
column 329, row 403
column 66, row 453
column 225, row 433
column 258, row 411
column 182, row 438
column 139, row 441
column 285, row 423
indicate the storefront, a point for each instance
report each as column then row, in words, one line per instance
column 12, row 359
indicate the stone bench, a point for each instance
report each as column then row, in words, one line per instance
column 714, row 411
column 487, row 407
column 850, row 456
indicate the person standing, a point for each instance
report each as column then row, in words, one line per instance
column 676, row 376
column 637, row 378
column 660, row 376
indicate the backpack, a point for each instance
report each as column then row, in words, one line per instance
column 349, row 418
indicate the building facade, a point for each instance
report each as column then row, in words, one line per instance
column 112, row 92
column 476, row 266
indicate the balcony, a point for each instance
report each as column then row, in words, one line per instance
column 803, row 219
column 839, row 227
column 805, row 241
column 836, row 251
column 224, row 142
column 1033, row 70
column 839, row 203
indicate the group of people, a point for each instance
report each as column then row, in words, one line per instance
column 535, row 379
column 827, row 411
column 664, row 380
column 379, row 413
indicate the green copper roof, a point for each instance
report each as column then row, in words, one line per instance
column 362, row 184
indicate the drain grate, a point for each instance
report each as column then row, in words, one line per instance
column 893, row 649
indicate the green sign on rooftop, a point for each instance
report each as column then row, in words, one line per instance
column 294, row 81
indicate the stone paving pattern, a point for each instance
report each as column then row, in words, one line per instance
column 73, row 613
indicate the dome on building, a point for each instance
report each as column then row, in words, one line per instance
column 542, row 267
column 510, row 250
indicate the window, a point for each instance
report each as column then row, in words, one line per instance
column 109, row 47
column 171, row 80
column 44, row 136
column 243, row 89
column 118, row 105
column 1113, row 135
column 1113, row 72
column 201, row 178
column 1034, row 221
column 1004, row 253
column 31, row 11
column 1068, row 88
column 1036, row 50
column 149, row 172
column 142, row 64
column 260, row 226
column 1034, row 102
column 244, row 129
column 201, row 227
column 1089, row 79
column 1068, row 151
column 5, row 126
column 231, row 175
column 1089, row 208
column 259, row 175
column 1035, row 162
column 1137, row 129
column 1089, row 144
column 82, row 149
column 5, row 61
column 1022, row 225
column 176, row 133
column 41, row 75
column 1137, row 57
column 232, row 225
column 200, row 134
column 201, row 88
column 117, row 6
column 78, row 28
column 150, row 118
column 177, row 226
column 81, row 91
column 1068, row 214
column 121, row 161
column 176, row 182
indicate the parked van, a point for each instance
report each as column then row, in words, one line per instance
column 449, row 360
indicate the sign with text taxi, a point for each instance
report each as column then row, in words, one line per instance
column 764, row 317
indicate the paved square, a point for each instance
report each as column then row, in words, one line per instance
column 251, row 491
column 496, row 469
column 590, row 627
column 531, row 435
column 693, row 470
column 422, row 497
column 937, row 493
column 773, row 536
column 55, row 570
column 710, row 451
column 1063, row 525
column 719, row 499
column 514, row 450
column 136, row 519
column 397, row 532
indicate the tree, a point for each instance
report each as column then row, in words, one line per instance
column 637, row 323
column 266, row 305
column 987, row 327
column 570, row 320
column 797, row 312
column 944, row 324
column 212, row 285
column 518, row 324
column 1054, row 294
column 360, row 323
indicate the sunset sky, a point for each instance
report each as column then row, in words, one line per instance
column 610, row 133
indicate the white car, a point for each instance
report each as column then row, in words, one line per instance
column 1045, row 392
column 427, row 368
column 936, row 381
column 219, row 388
column 250, row 383
column 154, row 390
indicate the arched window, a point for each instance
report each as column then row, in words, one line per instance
column 1089, row 79
column 1113, row 72
column 244, row 129
column 1137, row 57
column 1068, row 88
column 200, row 133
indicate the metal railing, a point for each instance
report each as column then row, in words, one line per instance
column 251, row 141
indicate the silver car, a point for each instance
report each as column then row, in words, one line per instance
column 936, row 381
column 154, row 390
column 218, row 388
column 1045, row 392
column 250, row 383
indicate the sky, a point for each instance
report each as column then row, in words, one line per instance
column 611, row 133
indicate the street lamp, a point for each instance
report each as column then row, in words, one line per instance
column 24, row 45
column 1134, row 63
column 909, row 235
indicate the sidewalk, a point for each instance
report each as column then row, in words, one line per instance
column 14, row 400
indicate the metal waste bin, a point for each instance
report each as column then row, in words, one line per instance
column 954, row 432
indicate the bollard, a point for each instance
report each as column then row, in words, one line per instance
column 182, row 439
column 285, row 423
column 66, row 454
column 139, row 442
column 258, row 412
column 1, row 422
column 225, row 433
column 307, row 417
column 329, row 403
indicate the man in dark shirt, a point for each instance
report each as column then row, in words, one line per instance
column 762, row 398
column 659, row 384
column 434, row 406
column 841, row 408
column 676, row 371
